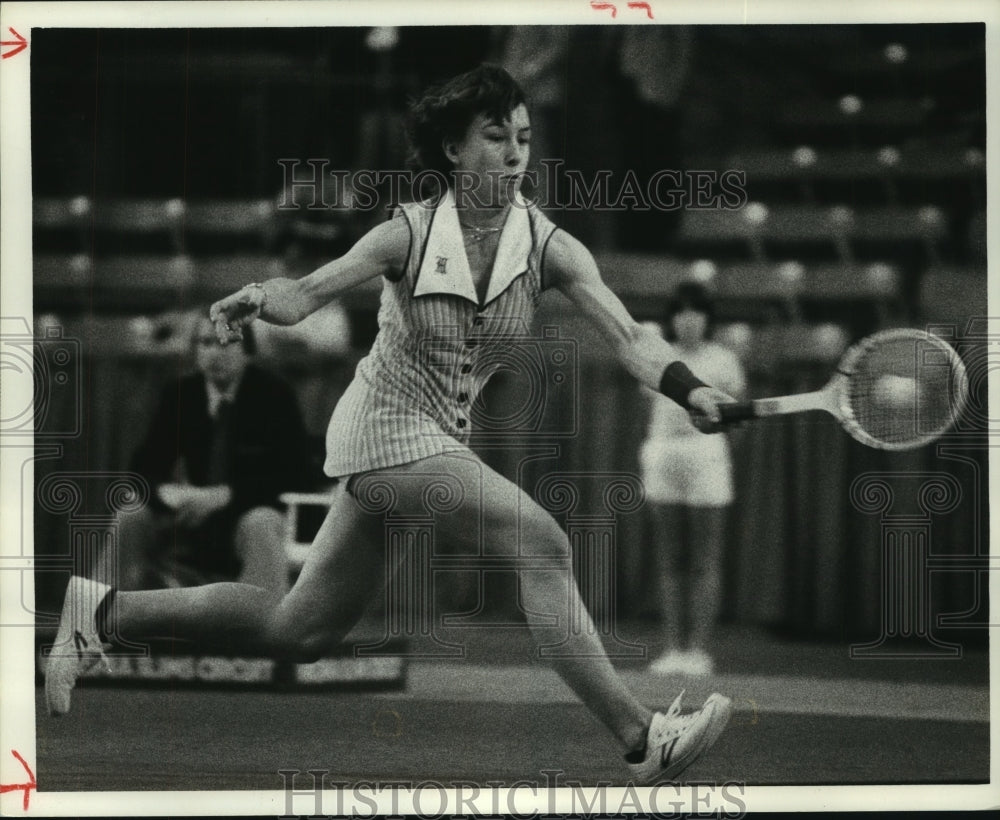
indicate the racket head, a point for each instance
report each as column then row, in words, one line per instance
column 899, row 389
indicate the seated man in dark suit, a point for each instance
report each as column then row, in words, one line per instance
column 224, row 443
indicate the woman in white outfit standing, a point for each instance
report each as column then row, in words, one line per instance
column 689, row 488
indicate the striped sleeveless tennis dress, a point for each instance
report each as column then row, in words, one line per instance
column 437, row 344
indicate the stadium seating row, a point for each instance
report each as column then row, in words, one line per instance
column 886, row 162
column 152, row 215
column 627, row 274
column 167, row 335
column 836, row 228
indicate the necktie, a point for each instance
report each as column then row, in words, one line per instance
column 218, row 466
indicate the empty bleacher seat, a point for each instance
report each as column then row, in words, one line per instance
column 871, row 122
column 60, row 212
column 61, row 224
column 818, row 232
column 151, row 225
column 877, row 281
column 137, row 273
column 228, row 216
column 917, row 162
column 776, row 346
column 898, row 224
column 138, row 226
column 224, row 274
column 888, row 174
column 894, row 63
column 56, row 270
column 718, row 233
column 760, row 281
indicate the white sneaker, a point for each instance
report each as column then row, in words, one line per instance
column 675, row 740
column 77, row 647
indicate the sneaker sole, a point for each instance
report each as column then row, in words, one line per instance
column 60, row 654
column 721, row 714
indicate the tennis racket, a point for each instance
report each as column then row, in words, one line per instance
column 895, row 390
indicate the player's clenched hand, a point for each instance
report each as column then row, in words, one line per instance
column 704, row 410
column 231, row 314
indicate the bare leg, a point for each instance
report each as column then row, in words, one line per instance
column 331, row 593
column 493, row 516
column 707, row 533
column 496, row 518
column 670, row 532
column 258, row 542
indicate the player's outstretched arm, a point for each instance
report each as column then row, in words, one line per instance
column 571, row 268
column 284, row 301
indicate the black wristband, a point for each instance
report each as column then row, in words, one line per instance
column 677, row 382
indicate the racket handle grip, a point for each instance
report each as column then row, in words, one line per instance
column 740, row 411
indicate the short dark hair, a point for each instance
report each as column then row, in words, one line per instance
column 445, row 111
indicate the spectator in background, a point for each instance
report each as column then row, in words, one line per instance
column 224, row 442
column 689, row 484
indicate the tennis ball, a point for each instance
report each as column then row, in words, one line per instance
column 895, row 392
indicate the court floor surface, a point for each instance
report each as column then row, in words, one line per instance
column 464, row 721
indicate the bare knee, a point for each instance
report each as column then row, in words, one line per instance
column 306, row 635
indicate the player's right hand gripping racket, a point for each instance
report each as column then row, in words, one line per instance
column 895, row 390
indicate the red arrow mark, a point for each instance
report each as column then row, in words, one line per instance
column 646, row 6
column 25, row 787
column 20, row 42
column 603, row 6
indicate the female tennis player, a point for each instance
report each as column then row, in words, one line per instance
column 461, row 274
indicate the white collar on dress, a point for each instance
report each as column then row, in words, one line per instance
column 445, row 267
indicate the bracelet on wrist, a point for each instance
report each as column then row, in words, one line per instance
column 677, row 382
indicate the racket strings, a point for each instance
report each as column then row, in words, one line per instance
column 904, row 390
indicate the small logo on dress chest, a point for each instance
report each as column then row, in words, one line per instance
column 441, row 265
